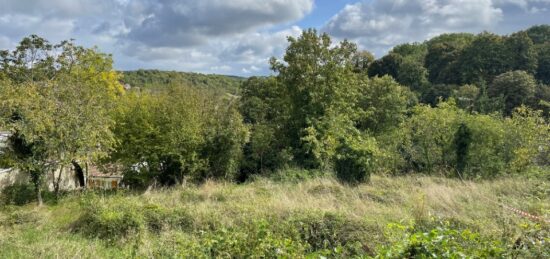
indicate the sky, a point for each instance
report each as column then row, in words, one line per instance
column 238, row 37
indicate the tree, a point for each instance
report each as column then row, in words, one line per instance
column 318, row 79
column 539, row 34
column 483, row 59
column 32, row 60
column 178, row 133
column 414, row 75
column 466, row 97
column 160, row 135
column 442, row 54
column 520, row 52
column 362, row 60
column 265, row 107
column 516, row 88
column 543, row 69
column 61, row 104
column 387, row 65
column 383, row 105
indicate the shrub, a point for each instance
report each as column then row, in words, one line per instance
column 439, row 242
column 296, row 175
column 111, row 221
column 331, row 232
column 20, row 217
column 447, row 139
column 120, row 218
column 356, row 159
column 18, row 194
column 255, row 239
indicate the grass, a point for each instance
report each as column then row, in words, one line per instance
column 267, row 218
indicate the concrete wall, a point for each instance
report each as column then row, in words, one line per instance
column 10, row 176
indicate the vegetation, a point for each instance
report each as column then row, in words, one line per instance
column 155, row 79
column 419, row 154
column 391, row 217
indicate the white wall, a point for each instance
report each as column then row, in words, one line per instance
column 9, row 177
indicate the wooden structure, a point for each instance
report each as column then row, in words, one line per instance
column 98, row 179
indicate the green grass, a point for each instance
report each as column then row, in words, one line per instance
column 388, row 217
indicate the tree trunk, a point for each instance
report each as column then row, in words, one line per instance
column 38, row 195
column 86, row 178
column 79, row 174
column 36, row 179
column 58, row 182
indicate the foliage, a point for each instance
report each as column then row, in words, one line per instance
column 516, row 88
column 382, row 105
column 433, row 140
column 155, row 79
column 120, row 218
column 179, row 132
column 356, row 159
column 438, row 67
column 17, row 194
column 543, row 70
column 58, row 105
column 312, row 218
column 440, row 242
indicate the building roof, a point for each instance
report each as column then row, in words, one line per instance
column 107, row 171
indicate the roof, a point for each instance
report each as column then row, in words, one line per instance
column 107, row 171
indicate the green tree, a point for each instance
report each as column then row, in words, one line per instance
column 516, row 88
column 387, row 65
column 543, row 70
column 482, row 60
column 521, row 52
column 62, row 105
column 265, row 107
column 362, row 60
column 442, row 55
column 382, row 105
column 179, row 132
column 466, row 97
column 539, row 34
column 318, row 79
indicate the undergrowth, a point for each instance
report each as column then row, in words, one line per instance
column 391, row 217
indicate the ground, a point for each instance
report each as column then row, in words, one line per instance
column 387, row 217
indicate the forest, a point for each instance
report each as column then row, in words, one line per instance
column 438, row 149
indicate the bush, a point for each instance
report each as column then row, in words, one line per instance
column 119, row 218
column 296, row 175
column 446, row 140
column 254, row 239
column 158, row 218
column 17, row 194
column 356, row 160
column 20, row 217
column 331, row 232
column 112, row 221
column 440, row 242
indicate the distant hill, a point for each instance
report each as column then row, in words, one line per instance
column 157, row 78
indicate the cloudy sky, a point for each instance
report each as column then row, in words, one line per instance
column 239, row 36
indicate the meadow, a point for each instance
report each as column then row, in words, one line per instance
column 286, row 217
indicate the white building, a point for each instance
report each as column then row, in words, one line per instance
column 10, row 176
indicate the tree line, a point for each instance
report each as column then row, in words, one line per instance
column 461, row 105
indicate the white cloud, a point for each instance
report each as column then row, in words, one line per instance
column 380, row 24
column 204, row 36
column 190, row 22
column 239, row 36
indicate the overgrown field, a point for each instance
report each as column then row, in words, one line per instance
column 390, row 217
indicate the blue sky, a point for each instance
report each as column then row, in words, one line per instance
column 239, row 36
column 322, row 11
